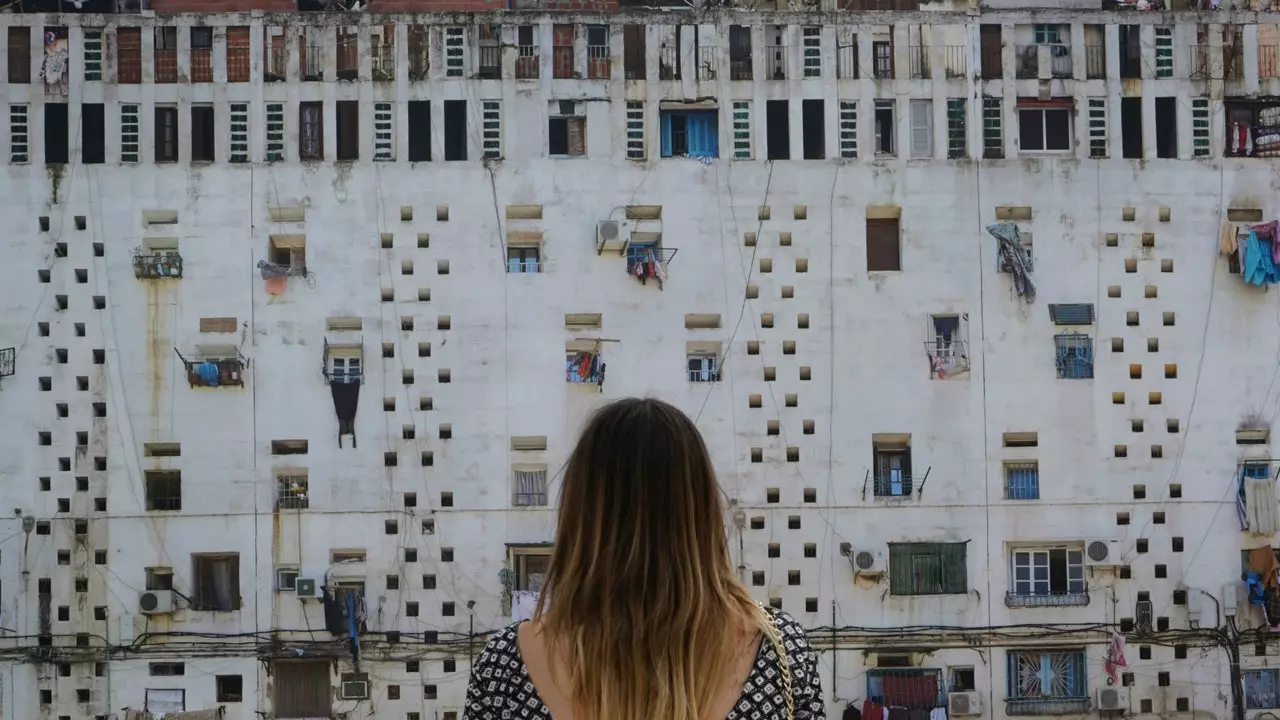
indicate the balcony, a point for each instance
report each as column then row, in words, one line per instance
column 918, row 62
column 775, row 62
column 947, row 358
column 384, row 63
column 645, row 262
column 1046, row 706
column 668, row 62
column 527, row 67
column 312, row 63
column 1095, row 62
column 706, row 62
column 215, row 368
column 598, row 65
column 166, row 264
column 847, row 62
column 275, row 66
column 1014, row 600
column 489, row 62
column 893, row 485
column 1060, row 61
column 954, row 60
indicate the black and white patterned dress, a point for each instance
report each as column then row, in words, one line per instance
column 500, row 688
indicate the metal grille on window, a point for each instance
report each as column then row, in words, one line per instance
column 453, row 51
column 742, row 130
column 1022, row 481
column 1261, row 689
column 1097, row 127
column 275, row 132
column 1074, row 356
column 19, row 143
column 635, row 130
column 992, row 128
column 129, row 133
column 957, row 138
column 1200, row 127
column 291, row 492
column 1164, row 52
column 530, row 488
column 239, row 132
column 1047, row 683
column 812, row 46
column 849, row 128
column 491, row 128
column 92, row 55
column 382, row 135
column 704, row 369
column 915, row 689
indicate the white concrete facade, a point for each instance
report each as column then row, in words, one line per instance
column 817, row 357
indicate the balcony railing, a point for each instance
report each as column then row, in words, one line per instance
column 1047, row 706
column 668, row 62
column 384, row 63
column 648, row 261
column 947, row 358
column 775, row 62
column 534, row 499
column 340, row 376
column 157, row 265
column 419, row 62
column 954, row 60
column 313, row 67
column 598, row 64
column 1015, row 600
column 898, row 484
column 1095, row 62
column 275, row 67
column 1027, row 61
column 740, row 67
column 214, row 371
column 527, row 62
column 237, row 64
column 847, row 62
column 918, row 62
column 706, row 62
column 1060, row 61
column 489, row 62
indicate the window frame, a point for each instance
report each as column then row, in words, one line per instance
column 204, row 599
column 166, row 134
column 1019, row 697
column 950, row 571
column 311, row 121
column 1021, row 479
column 1029, row 586
column 518, row 257
column 698, row 136
column 1044, row 130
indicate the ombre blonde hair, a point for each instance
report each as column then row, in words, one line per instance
column 640, row 597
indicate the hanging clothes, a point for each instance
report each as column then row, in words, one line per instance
column 209, row 374
column 1115, row 657
column 346, row 398
column 1262, row 561
column 1227, row 244
column 1258, row 267
column 938, row 713
column 872, row 710
column 1260, row 505
column 851, row 712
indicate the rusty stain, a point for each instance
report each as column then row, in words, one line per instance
column 157, row 350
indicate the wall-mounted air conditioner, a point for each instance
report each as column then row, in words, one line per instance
column 354, row 690
column 305, row 587
column 1113, row 699
column 866, row 562
column 1102, row 553
column 157, row 602
column 960, row 704
column 610, row 233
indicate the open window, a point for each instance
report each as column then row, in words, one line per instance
column 216, row 582
column 524, row 251
column 157, row 258
column 891, row 464
column 529, row 485
column 288, row 253
column 947, row 343
column 528, row 566
column 584, row 362
column 1047, row 577
column 566, row 129
column 703, row 358
column 690, row 131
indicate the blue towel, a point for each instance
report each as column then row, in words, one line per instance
column 209, row 374
column 1258, row 267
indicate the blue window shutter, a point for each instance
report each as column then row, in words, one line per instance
column 666, row 134
column 703, row 139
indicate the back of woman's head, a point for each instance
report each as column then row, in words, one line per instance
column 641, row 597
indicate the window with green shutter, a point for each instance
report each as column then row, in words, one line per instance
column 928, row 569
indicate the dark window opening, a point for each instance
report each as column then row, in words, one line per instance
column 19, row 47
column 989, row 37
column 55, row 134
column 883, row 245
column 777, row 116
column 633, row 52
column 202, row 133
column 739, row 52
column 166, row 134
column 455, row 130
column 1131, row 128
column 230, row 688
column 93, row 133
column 217, row 582
column 882, row 59
column 1042, row 129
column 419, row 130
column 813, row 125
column 163, row 490
column 310, row 131
column 1166, row 127
column 566, row 135
column 885, row 127
column 348, row 129
column 1130, row 52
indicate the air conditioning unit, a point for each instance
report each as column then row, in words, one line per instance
column 610, row 233
column 354, row 690
column 305, row 587
column 1113, row 699
column 156, row 602
column 1102, row 553
column 866, row 562
column 286, row 578
column 964, row 703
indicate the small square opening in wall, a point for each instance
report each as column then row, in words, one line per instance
column 757, row 455
column 1166, row 214
column 1135, row 371
column 757, row 522
column 811, row 550
column 770, row 373
column 1157, row 452
column 1139, row 492
column 442, row 267
column 388, row 294
column 1128, row 214
column 802, row 321
column 793, row 522
column 44, row 275
column 1122, row 451
column 754, row 401
column 793, row 577
column 444, row 375
column 1117, row 344
column 1131, row 318
column 406, row 213
column 763, row 212
column 446, row 431
column 411, row 499
column 424, row 294
column 1178, row 544
column 788, row 347
column 1171, row 425
column 757, row 578
column 1169, row 319
column 772, row 495
column 793, row 454
column 1148, row 240
column 389, row 459
column 1166, row 265
column 1171, row 370
column 1157, row 518
column 426, row 402
column 784, row 239
column 801, row 212
column 406, row 376
column 1150, row 292
column 1122, row 518
column 1153, row 344
column 791, row 400
column 1161, row 571
column 406, row 267
column 788, row 292
column 772, row 427
column 753, row 292
column 811, row 495
column 388, row 350
column 802, row 265
column 1136, row 425
column 766, row 320
column 60, row 301
column 443, row 322
column 408, row 432
column 1112, row 239
column 424, row 240
column 99, row 302
column 385, row 240
column 442, row 213
column 428, row 458
column 753, row 347
column 388, row 404
column 766, row 265
column 1131, row 265
column 749, row 239
column 1113, row 291
column 807, row 426
column 774, row 550
column 1154, row 398
column 80, row 222
column 99, row 249
column 82, row 275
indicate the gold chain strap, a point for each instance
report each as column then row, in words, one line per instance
column 774, row 635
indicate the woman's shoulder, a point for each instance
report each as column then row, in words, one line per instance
column 791, row 628
column 501, row 653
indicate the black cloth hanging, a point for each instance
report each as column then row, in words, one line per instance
column 335, row 612
column 851, row 712
column 346, row 397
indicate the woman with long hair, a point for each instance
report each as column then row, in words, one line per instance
column 641, row 615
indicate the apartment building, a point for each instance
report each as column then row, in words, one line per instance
column 303, row 312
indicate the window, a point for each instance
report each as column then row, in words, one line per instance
column 928, row 569
column 921, row 128
column 891, row 460
column 883, row 245
column 1047, row 683
column 163, row 489
column 742, row 130
column 704, row 368
column 275, row 132
column 19, row 50
column 93, row 132
column 238, row 54
column 849, row 128
column 202, row 133
column 165, row 55
column 292, row 491
column 777, row 118
column 383, row 135
column 1097, row 127
column 166, row 134
column 129, row 133
column 455, row 130
column 162, row 701
column 159, row 578
column 635, row 130
column 523, row 259
column 690, row 133
column 1131, row 127
column 453, row 52
column 882, row 59
column 419, row 130
column 1074, row 356
column 128, row 56
column 1048, row 35
column 56, row 143
column 739, row 52
column 1044, row 128
column 992, row 128
column 92, row 55
column 1048, row 573
column 598, row 52
column 529, row 487
column 957, row 138
column 1261, row 689
column 216, row 582
column 19, row 137
column 811, row 45
column 1200, row 127
column 302, row 689
column 633, row 52
column 530, row 565
column 1164, row 52
column 202, row 54
column 885, row 127
column 813, row 125
column 1022, row 480
column 1071, row 313
column 348, row 112
column 490, row 129
column 914, row 689
column 239, row 133
column 311, row 131
column 1166, row 127
column 229, row 688
column 566, row 131
column 344, row 369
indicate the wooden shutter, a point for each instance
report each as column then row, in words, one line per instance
column 900, row 573
column 955, row 567
column 348, row 129
column 883, row 249
column 577, row 127
column 301, row 689
column 19, row 54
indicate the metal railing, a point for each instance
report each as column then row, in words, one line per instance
column 348, row 62
column 313, row 68
column 668, row 62
column 847, row 62
column 1015, row 600
column 237, row 64
column 384, row 63
column 894, row 484
column 157, row 265
column 954, row 60
column 1060, row 61
column 1022, row 480
column 1095, row 62
column 775, row 62
column 1201, row 64
column 1267, row 62
column 275, row 65
column 489, row 62
column 1026, row 60
column 529, row 499
column 918, row 62
column 740, row 68
column 1047, row 706
column 527, row 62
column 706, row 62
column 291, row 492
column 419, row 62
column 598, row 62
